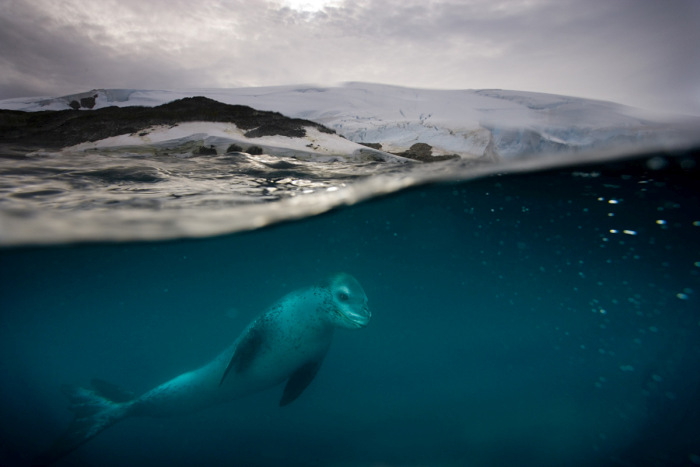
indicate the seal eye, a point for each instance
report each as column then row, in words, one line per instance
column 343, row 297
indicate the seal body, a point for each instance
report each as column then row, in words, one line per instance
column 286, row 343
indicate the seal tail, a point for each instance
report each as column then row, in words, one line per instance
column 95, row 410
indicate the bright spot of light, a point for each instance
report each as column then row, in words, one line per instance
column 310, row 5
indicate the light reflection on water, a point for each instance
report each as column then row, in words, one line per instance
column 121, row 195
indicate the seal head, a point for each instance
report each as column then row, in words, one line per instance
column 347, row 306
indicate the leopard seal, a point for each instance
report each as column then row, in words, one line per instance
column 285, row 343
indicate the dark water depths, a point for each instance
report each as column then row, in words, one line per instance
column 543, row 319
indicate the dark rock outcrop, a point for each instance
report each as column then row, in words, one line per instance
column 420, row 151
column 424, row 152
column 88, row 102
column 204, row 151
column 56, row 129
column 234, row 148
column 254, row 150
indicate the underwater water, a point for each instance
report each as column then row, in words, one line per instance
column 536, row 319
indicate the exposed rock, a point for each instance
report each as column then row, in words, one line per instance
column 254, row 150
column 234, row 148
column 424, row 152
column 88, row 102
column 85, row 102
column 276, row 128
column 204, row 151
column 56, row 129
column 372, row 145
column 420, row 150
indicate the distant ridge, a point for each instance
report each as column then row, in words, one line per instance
column 492, row 124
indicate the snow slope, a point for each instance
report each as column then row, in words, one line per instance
column 188, row 137
column 471, row 123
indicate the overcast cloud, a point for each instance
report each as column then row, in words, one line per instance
column 638, row 52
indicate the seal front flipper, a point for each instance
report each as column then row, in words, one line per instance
column 246, row 350
column 299, row 380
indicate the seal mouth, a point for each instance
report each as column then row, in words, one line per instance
column 358, row 320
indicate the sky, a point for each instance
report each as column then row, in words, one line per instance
column 642, row 53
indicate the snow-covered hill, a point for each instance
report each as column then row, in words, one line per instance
column 189, row 137
column 470, row 123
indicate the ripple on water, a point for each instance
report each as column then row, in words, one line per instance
column 36, row 194
column 116, row 174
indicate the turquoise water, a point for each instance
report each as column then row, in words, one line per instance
column 527, row 319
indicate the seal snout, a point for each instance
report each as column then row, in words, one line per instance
column 359, row 318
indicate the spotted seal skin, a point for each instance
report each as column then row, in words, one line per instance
column 286, row 343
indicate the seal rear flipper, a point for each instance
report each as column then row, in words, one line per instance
column 299, row 380
column 246, row 350
column 93, row 413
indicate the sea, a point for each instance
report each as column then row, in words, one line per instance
column 540, row 313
